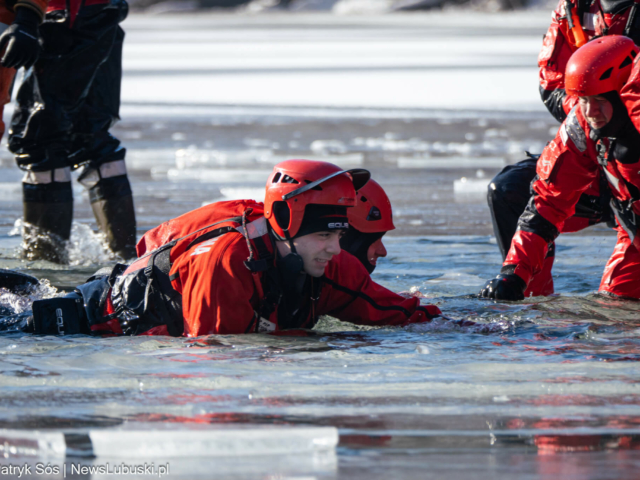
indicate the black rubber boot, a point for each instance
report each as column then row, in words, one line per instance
column 112, row 205
column 48, row 213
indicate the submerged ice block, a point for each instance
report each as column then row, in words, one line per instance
column 139, row 440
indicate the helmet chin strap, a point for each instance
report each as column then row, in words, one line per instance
column 291, row 264
column 290, row 240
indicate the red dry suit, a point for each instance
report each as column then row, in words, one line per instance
column 224, row 288
column 596, row 20
column 568, row 166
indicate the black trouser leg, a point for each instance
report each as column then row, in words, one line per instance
column 508, row 195
column 112, row 205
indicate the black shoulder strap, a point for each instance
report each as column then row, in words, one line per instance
column 632, row 28
column 265, row 257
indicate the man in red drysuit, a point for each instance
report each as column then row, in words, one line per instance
column 598, row 136
column 244, row 267
column 572, row 25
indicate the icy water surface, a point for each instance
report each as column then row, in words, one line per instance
column 546, row 388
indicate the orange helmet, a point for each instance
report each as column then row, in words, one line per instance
column 372, row 213
column 294, row 184
column 602, row 65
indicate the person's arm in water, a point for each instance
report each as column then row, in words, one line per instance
column 567, row 167
column 350, row 294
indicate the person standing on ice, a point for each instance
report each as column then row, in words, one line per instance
column 572, row 25
column 599, row 137
column 369, row 220
column 242, row 267
column 65, row 107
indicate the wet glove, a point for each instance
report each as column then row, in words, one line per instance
column 21, row 40
column 504, row 287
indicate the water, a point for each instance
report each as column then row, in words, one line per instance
column 545, row 388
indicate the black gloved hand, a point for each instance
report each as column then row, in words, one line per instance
column 504, row 287
column 21, row 40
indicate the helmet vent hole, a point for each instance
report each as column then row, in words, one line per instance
column 606, row 74
column 288, row 179
column 317, row 187
column 625, row 62
column 276, row 177
column 634, row 53
column 363, row 198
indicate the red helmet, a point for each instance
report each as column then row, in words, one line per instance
column 298, row 183
column 372, row 213
column 600, row 66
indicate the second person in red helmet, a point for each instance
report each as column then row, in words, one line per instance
column 369, row 220
column 598, row 136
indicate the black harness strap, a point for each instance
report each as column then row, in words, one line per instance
column 632, row 28
column 265, row 257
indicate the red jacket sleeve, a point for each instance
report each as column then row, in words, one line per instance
column 217, row 289
column 566, row 169
column 349, row 294
column 630, row 95
column 552, row 61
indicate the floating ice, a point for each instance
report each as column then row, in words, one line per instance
column 348, row 159
column 194, row 157
column 236, row 175
column 150, row 158
column 451, row 162
column 243, row 192
column 139, row 440
column 327, row 147
column 11, row 191
column 470, row 186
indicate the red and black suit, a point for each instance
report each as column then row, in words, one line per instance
column 215, row 270
column 569, row 165
column 510, row 190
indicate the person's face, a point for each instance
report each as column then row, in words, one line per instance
column 375, row 251
column 597, row 110
column 316, row 249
